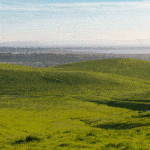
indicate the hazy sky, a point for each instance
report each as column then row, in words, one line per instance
column 76, row 22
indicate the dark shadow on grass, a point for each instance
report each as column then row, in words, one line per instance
column 129, row 105
column 114, row 145
column 53, row 80
column 141, row 116
column 64, row 144
column 138, row 101
column 27, row 140
column 19, row 142
column 120, row 126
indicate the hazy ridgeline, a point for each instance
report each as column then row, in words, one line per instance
column 45, row 57
column 98, row 104
column 45, row 60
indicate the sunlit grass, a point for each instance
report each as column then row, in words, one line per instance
column 75, row 106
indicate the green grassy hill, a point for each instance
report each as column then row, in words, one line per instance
column 102, row 104
column 126, row 67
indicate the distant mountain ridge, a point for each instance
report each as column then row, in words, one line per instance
column 28, row 44
column 35, row 44
column 22, row 44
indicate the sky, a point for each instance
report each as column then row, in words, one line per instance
column 76, row 22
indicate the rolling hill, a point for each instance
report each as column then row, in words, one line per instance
column 76, row 106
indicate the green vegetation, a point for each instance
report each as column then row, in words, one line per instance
column 102, row 104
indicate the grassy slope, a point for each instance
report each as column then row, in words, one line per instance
column 126, row 67
column 84, row 105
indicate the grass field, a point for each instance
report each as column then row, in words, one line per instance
column 100, row 105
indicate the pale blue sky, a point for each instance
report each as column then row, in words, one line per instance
column 76, row 22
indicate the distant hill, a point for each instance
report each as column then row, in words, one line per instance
column 21, row 44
